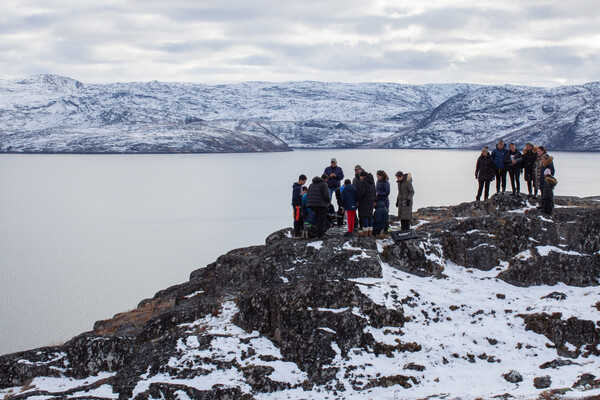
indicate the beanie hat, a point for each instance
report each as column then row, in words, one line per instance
column 357, row 166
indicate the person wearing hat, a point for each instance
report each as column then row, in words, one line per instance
column 335, row 175
column 356, row 180
column 529, row 158
column 404, row 202
column 484, row 172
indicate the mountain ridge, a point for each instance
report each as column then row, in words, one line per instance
column 49, row 113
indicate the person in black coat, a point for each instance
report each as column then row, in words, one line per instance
column 547, row 188
column 485, row 171
column 529, row 158
column 318, row 200
column 366, row 199
column 297, row 205
column 513, row 160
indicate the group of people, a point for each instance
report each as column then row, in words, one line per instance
column 314, row 212
column 534, row 161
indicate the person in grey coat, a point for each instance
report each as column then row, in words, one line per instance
column 404, row 202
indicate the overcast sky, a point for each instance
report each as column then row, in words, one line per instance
column 529, row 42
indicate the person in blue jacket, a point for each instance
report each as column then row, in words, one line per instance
column 382, row 187
column 498, row 155
column 380, row 219
column 349, row 204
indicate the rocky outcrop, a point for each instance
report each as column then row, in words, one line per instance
column 353, row 317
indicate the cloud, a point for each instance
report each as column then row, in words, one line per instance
column 480, row 41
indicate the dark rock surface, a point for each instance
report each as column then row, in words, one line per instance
column 347, row 317
column 542, row 382
column 513, row 377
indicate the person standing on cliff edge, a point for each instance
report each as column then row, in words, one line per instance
column 335, row 175
column 297, row 205
column 318, row 200
column 498, row 155
column 404, row 201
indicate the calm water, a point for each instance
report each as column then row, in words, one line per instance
column 83, row 237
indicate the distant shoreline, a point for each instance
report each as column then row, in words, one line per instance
column 258, row 152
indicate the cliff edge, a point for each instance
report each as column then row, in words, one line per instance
column 492, row 299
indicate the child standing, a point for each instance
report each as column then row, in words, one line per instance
column 349, row 204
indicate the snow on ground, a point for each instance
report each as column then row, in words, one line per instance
column 58, row 385
column 462, row 334
column 229, row 344
column 470, row 332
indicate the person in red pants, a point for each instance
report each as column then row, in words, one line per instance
column 348, row 192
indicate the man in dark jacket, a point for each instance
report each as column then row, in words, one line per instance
column 366, row 199
column 356, row 180
column 297, row 205
column 529, row 158
column 335, row 175
column 318, row 200
column 513, row 160
column 498, row 156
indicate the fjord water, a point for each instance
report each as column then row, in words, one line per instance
column 83, row 237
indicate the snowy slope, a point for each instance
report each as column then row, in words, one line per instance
column 48, row 113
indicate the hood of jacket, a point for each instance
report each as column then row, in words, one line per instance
column 369, row 179
column 317, row 179
column 380, row 204
column 350, row 188
column 547, row 161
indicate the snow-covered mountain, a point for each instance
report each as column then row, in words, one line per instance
column 48, row 113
